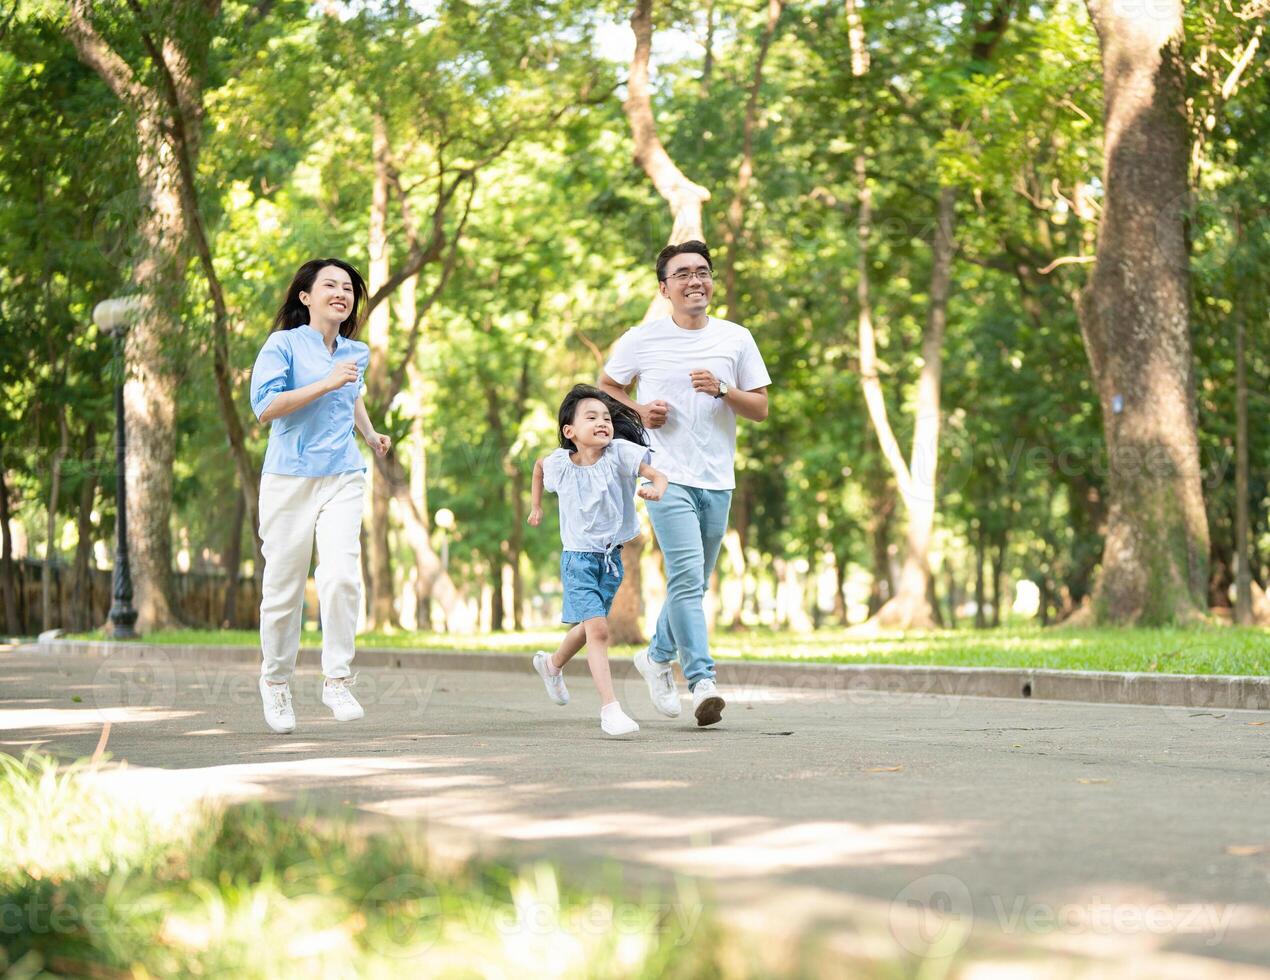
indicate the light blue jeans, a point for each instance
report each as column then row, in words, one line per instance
column 689, row 523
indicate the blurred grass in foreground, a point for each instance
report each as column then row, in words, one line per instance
column 93, row 886
column 1212, row 650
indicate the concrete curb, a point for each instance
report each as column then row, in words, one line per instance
column 1181, row 690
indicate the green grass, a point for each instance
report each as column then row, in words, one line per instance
column 1203, row 650
column 91, row 885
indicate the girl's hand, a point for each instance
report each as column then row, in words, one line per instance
column 649, row 491
column 344, row 372
column 535, row 517
column 380, row 443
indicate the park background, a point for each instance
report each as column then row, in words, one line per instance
column 954, row 274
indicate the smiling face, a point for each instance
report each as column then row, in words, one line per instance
column 331, row 298
column 592, row 426
column 688, row 297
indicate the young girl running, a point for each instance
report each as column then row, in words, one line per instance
column 307, row 382
column 603, row 449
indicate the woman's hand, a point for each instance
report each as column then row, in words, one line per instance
column 379, row 442
column 535, row 517
column 344, row 372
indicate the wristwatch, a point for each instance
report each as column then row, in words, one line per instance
column 723, row 389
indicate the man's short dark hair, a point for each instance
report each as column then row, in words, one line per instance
column 683, row 248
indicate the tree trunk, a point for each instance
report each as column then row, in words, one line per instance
column 911, row 607
column 997, row 559
column 181, row 92
column 1221, row 572
column 684, row 198
column 980, row 620
column 882, row 514
column 50, row 538
column 1243, row 574
column 734, row 226
column 158, row 277
column 950, row 584
column 8, row 584
column 435, row 580
column 497, row 612
column 731, row 587
column 840, row 612
column 150, row 429
column 1135, row 321
column 516, row 547
column 707, row 62
column 232, row 562
column 628, row 604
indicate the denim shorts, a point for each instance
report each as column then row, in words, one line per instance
column 590, row 582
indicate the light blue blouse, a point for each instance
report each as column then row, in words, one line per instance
column 316, row 440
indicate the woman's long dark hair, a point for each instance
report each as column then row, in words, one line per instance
column 292, row 313
column 626, row 421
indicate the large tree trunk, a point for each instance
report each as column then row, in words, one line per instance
column 1135, row 320
column 158, row 277
column 150, row 424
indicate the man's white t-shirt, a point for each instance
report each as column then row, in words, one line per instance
column 697, row 445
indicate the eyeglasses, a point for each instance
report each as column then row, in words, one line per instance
column 705, row 275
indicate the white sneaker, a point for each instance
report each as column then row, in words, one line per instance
column 707, row 705
column 615, row 721
column 337, row 696
column 278, row 712
column 661, row 684
column 555, row 682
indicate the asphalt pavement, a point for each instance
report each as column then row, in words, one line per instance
column 1052, row 838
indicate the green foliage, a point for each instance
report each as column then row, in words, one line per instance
column 507, row 139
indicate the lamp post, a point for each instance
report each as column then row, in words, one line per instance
column 113, row 316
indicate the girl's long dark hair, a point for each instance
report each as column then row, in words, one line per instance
column 292, row 313
column 626, row 421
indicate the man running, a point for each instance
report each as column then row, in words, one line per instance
column 695, row 374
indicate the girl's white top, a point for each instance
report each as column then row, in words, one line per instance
column 597, row 502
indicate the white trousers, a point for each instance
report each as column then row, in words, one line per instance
column 293, row 511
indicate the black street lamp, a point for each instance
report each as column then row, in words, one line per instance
column 113, row 316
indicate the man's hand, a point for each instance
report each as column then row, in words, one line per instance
column 654, row 414
column 344, row 372
column 705, row 382
column 535, row 517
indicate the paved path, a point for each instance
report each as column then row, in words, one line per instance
column 1117, row 836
